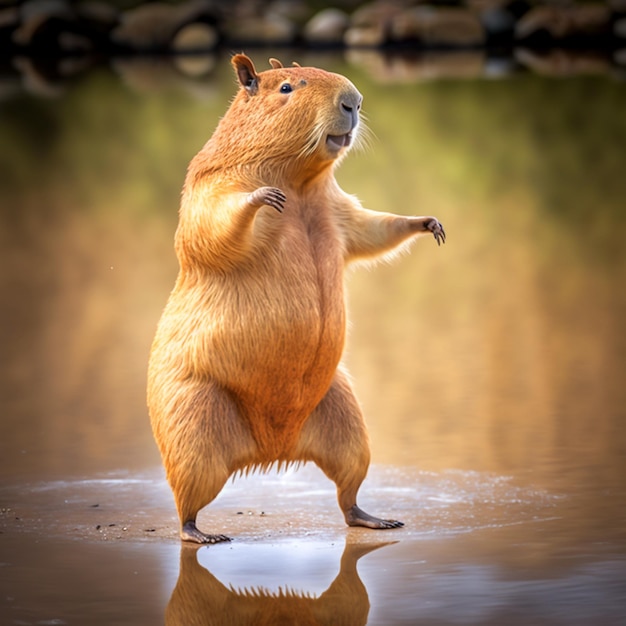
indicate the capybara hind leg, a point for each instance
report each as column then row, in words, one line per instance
column 335, row 438
column 201, row 449
column 195, row 484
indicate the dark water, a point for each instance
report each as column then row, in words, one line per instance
column 491, row 370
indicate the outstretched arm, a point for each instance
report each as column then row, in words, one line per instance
column 370, row 234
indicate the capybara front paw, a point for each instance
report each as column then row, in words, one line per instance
column 435, row 227
column 190, row 532
column 270, row 196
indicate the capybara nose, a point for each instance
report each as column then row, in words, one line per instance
column 350, row 104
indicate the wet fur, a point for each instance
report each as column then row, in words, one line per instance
column 244, row 369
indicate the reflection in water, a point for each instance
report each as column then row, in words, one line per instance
column 200, row 598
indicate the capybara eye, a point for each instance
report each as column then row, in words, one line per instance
column 286, row 88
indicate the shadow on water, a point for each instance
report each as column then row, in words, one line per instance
column 491, row 370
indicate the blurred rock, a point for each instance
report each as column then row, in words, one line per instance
column 619, row 28
column 147, row 27
column 328, row 26
column 9, row 21
column 562, row 22
column 154, row 75
column 33, row 10
column 102, row 13
column 38, row 80
column 61, row 27
column 370, row 24
column 154, row 26
column 195, row 37
column 422, row 67
column 195, row 65
column 296, row 11
column 267, row 29
column 557, row 63
column 367, row 36
column 438, row 26
column 9, row 16
column 498, row 22
column 43, row 20
column 49, row 77
column 619, row 6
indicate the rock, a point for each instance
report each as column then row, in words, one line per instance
column 45, row 9
column 619, row 6
column 296, row 11
column 35, row 16
column 498, row 21
column 370, row 24
column 438, row 26
column 156, row 26
column 9, row 21
column 35, row 81
column 562, row 22
column 367, row 36
column 619, row 28
column 9, row 17
column 195, row 65
column 195, row 37
column 97, row 20
column 558, row 63
column 73, row 42
column 268, row 29
column 100, row 13
column 328, row 26
column 147, row 27
column 430, row 66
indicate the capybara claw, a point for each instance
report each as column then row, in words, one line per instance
column 392, row 523
column 270, row 196
column 435, row 227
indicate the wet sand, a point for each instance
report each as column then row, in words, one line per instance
column 476, row 549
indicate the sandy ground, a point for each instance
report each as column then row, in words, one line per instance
column 476, row 549
column 294, row 504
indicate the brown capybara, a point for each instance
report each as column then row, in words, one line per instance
column 244, row 369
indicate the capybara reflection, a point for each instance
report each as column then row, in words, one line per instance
column 245, row 365
column 199, row 598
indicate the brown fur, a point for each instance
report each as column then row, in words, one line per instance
column 244, row 369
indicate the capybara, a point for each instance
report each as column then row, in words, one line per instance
column 245, row 366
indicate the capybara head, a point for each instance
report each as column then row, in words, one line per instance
column 286, row 114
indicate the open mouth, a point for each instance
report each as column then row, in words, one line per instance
column 336, row 142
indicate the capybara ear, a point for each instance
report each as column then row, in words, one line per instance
column 275, row 63
column 248, row 78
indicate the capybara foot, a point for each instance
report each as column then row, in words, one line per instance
column 357, row 517
column 190, row 532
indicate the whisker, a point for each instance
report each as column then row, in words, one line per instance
column 365, row 137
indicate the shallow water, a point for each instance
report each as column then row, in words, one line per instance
column 491, row 370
